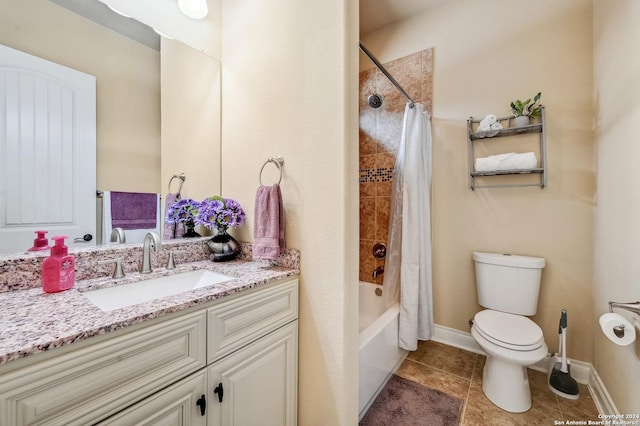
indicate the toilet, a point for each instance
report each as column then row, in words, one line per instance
column 508, row 287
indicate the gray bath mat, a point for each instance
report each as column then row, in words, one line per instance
column 403, row 402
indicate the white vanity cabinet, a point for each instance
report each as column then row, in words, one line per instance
column 253, row 370
column 181, row 404
column 166, row 371
column 258, row 384
column 86, row 385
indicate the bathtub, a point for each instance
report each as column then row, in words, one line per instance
column 379, row 355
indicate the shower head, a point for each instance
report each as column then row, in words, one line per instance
column 375, row 100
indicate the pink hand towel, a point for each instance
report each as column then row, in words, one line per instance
column 268, row 227
column 171, row 230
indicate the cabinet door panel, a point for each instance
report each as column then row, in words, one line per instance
column 232, row 325
column 259, row 382
column 89, row 384
column 173, row 406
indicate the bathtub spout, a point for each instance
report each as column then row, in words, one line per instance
column 378, row 271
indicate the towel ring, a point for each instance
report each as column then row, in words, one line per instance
column 182, row 177
column 278, row 161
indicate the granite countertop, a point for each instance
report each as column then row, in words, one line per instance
column 32, row 321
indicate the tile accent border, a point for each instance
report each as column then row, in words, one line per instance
column 381, row 174
column 583, row 372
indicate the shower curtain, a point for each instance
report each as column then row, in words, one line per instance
column 407, row 276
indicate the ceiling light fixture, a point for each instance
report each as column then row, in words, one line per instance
column 196, row 9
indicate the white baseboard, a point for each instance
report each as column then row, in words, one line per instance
column 456, row 338
column 600, row 395
column 582, row 372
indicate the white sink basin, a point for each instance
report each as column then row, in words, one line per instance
column 121, row 296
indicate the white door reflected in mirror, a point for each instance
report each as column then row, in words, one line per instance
column 47, row 151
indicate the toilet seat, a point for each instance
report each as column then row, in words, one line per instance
column 510, row 331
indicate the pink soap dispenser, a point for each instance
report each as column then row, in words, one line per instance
column 41, row 242
column 58, row 270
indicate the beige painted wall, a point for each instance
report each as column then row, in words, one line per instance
column 485, row 57
column 128, row 86
column 190, row 120
column 616, row 69
column 289, row 87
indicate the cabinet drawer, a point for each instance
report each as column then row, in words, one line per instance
column 237, row 322
column 176, row 405
column 89, row 384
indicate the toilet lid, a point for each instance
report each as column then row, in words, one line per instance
column 508, row 330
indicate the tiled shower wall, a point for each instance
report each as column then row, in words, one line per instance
column 380, row 133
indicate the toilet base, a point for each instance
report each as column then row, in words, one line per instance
column 506, row 385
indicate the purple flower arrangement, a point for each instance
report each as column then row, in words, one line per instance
column 213, row 212
column 220, row 213
column 182, row 211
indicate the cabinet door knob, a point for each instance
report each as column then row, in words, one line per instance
column 218, row 389
column 202, row 403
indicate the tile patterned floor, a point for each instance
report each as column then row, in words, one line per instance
column 459, row 373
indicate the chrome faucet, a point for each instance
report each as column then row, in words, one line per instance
column 378, row 271
column 117, row 236
column 150, row 240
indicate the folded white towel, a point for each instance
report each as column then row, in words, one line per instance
column 482, row 130
column 490, row 119
column 495, row 128
column 508, row 161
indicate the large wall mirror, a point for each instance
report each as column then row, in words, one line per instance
column 157, row 100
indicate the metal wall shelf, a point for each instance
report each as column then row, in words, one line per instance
column 507, row 131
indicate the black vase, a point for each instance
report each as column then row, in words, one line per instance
column 189, row 230
column 223, row 247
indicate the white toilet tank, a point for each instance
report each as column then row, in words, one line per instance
column 508, row 283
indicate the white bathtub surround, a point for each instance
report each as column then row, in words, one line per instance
column 408, row 268
column 379, row 354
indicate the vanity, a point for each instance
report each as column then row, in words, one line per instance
column 224, row 354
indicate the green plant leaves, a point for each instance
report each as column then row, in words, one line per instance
column 527, row 108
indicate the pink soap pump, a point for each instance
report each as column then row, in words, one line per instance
column 58, row 270
column 41, row 242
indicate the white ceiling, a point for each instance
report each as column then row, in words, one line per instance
column 375, row 14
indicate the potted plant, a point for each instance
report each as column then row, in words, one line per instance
column 524, row 110
column 221, row 213
column 184, row 211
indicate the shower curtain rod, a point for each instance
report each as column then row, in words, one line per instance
column 386, row 73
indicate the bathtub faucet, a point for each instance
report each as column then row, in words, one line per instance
column 378, row 271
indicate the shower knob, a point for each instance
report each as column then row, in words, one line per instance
column 379, row 251
column 375, row 100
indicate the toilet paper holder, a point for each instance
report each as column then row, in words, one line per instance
column 634, row 307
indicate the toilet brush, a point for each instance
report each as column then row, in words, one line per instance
column 560, row 380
